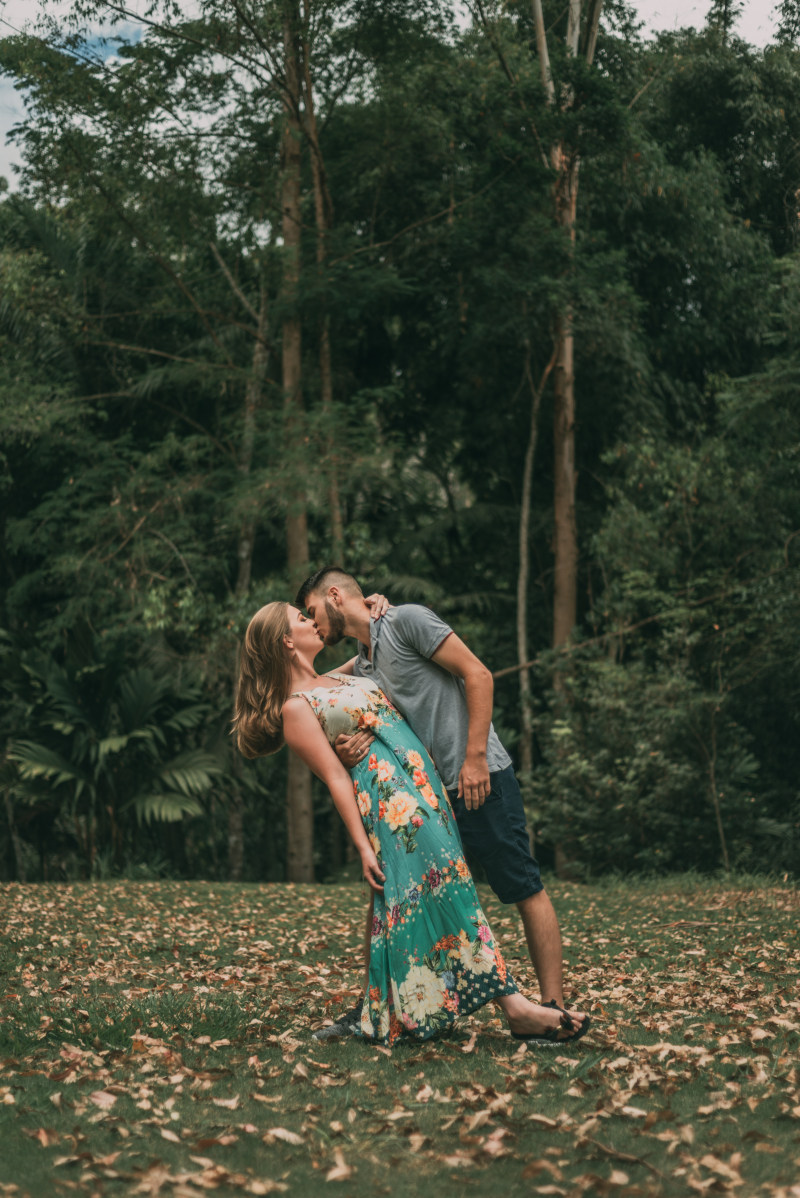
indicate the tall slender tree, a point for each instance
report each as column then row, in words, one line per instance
column 565, row 162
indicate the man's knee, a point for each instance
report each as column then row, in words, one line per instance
column 538, row 900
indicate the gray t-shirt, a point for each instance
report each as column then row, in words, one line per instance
column 431, row 698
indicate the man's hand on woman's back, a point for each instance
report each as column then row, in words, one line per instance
column 352, row 749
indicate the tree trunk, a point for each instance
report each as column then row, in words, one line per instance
column 565, row 538
column 323, row 214
column 332, row 459
column 235, row 807
column 300, row 823
column 526, row 739
column 253, row 400
column 19, row 860
column 714, row 792
column 565, row 532
column 565, row 166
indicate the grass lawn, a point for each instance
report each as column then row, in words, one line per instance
column 155, row 1038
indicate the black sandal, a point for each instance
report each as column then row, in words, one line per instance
column 583, row 1028
column 550, row 1038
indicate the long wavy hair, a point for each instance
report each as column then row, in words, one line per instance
column 265, row 682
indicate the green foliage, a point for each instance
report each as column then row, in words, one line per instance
column 625, row 786
column 109, row 750
column 135, row 259
column 698, row 637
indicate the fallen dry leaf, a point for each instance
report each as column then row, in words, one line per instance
column 282, row 1133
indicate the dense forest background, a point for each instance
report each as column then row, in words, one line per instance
column 499, row 307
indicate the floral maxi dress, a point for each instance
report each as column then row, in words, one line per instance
column 432, row 954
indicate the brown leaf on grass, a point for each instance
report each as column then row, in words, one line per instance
column 155, row 1177
column 479, row 1119
column 168, row 1134
column 103, row 1099
column 458, row 1160
column 282, row 1133
column 341, row 1171
column 492, row 1145
column 107, row 1160
column 470, row 1044
column 230, row 1104
column 729, row 1171
column 543, row 1119
column 45, row 1135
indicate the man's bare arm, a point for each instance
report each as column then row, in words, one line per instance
column 453, row 655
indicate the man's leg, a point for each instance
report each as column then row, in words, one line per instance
column 544, row 944
column 497, row 836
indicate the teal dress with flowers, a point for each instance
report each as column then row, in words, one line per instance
column 432, row 955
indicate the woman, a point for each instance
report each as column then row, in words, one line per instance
column 432, row 955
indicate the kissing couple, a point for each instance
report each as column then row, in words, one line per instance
column 402, row 737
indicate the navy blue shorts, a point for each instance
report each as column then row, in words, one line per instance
column 495, row 835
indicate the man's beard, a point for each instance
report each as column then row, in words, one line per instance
column 336, row 624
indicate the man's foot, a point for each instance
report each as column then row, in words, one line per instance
column 581, row 1022
column 346, row 1025
column 541, row 1025
column 552, row 1038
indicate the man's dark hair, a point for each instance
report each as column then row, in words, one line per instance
column 328, row 576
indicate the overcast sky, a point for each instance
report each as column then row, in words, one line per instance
column 756, row 26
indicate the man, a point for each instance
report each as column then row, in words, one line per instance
column 446, row 695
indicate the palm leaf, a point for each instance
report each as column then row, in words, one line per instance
column 187, row 717
column 115, row 744
column 192, row 772
column 166, row 808
column 37, row 761
column 140, row 693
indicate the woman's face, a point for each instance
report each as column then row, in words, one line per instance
column 303, row 634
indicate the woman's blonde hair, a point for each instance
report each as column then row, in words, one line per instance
column 265, row 682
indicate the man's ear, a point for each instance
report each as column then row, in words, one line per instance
column 335, row 596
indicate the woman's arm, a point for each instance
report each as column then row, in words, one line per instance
column 305, row 737
column 378, row 606
column 347, row 668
